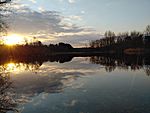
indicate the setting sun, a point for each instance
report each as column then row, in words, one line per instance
column 13, row 39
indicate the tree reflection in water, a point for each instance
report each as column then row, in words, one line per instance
column 54, row 83
column 125, row 62
column 111, row 62
column 18, row 67
column 12, row 95
column 147, row 70
column 7, row 101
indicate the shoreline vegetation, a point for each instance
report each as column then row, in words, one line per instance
column 128, row 46
column 67, row 49
column 109, row 61
column 134, row 43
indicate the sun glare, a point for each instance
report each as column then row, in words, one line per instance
column 13, row 39
column 11, row 66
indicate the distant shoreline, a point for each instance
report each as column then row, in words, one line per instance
column 19, row 50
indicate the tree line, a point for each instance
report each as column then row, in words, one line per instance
column 53, row 47
column 133, row 39
column 124, row 62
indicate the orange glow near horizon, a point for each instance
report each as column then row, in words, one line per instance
column 13, row 39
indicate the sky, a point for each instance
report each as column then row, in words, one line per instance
column 78, row 21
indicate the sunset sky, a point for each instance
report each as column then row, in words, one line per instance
column 77, row 21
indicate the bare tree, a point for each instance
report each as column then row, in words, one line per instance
column 7, row 101
column 147, row 31
column 110, row 37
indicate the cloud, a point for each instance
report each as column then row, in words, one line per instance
column 80, row 39
column 49, row 26
column 52, row 82
column 71, row 1
column 48, row 21
column 75, row 17
column 41, row 9
column 33, row 1
column 51, row 78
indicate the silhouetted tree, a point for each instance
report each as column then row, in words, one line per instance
column 121, row 42
column 110, row 37
column 147, row 31
column 61, row 47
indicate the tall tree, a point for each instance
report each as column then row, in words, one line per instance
column 147, row 31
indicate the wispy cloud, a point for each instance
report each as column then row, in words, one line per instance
column 75, row 17
column 41, row 9
column 33, row 1
column 71, row 1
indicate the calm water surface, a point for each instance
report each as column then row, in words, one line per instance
column 82, row 85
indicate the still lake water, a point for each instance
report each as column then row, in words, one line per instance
column 82, row 85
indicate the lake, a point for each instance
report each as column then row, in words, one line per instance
column 89, row 84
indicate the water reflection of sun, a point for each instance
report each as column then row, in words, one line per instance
column 10, row 66
column 19, row 67
column 14, row 67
